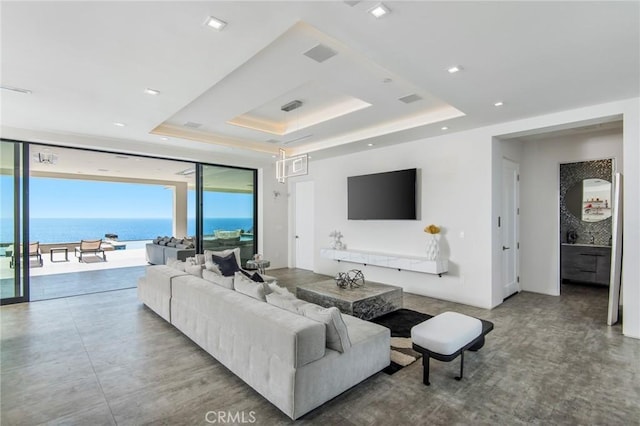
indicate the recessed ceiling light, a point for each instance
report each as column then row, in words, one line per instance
column 164, row 139
column 369, row 144
column 444, row 128
column 153, row 92
column 215, row 23
column 454, row 69
column 379, row 11
column 118, row 124
column 498, row 104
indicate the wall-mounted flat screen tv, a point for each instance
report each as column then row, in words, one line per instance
column 382, row 196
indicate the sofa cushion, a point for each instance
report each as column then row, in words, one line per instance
column 218, row 279
column 235, row 320
column 228, row 264
column 337, row 334
column 246, row 286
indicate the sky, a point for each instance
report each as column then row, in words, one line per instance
column 67, row 198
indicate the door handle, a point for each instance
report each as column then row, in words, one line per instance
column 505, row 248
column 297, row 236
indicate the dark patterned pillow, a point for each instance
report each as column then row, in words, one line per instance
column 228, row 264
column 256, row 277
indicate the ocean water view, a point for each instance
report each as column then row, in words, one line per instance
column 58, row 230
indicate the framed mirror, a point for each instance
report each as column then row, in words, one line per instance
column 590, row 200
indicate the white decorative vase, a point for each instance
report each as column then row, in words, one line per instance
column 433, row 247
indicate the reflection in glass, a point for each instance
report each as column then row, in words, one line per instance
column 228, row 205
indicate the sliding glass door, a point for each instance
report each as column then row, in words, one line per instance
column 228, row 209
column 14, row 255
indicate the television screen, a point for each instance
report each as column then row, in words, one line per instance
column 390, row 195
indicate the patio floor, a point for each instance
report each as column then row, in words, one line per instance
column 69, row 278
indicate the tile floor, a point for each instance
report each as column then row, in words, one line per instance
column 105, row 359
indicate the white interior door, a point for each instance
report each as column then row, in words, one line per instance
column 304, row 224
column 509, row 226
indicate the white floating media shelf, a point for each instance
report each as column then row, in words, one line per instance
column 415, row 264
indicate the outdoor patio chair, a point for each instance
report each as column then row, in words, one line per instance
column 91, row 247
column 34, row 251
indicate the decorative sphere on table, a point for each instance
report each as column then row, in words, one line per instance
column 352, row 279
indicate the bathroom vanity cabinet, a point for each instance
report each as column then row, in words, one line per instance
column 586, row 263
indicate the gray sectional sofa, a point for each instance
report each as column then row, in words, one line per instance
column 280, row 354
column 161, row 249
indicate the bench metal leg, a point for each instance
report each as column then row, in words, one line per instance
column 461, row 366
column 425, row 369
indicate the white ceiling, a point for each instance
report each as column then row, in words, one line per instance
column 88, row 63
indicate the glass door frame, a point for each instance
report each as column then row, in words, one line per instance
column 200, row 203
column 20, row 221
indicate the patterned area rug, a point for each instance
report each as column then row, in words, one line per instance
column 400, row 323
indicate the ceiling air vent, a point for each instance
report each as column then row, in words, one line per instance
column 410, row 98
column 192, row 125
column 320, row 53
column 291, row 106
column 272, row 141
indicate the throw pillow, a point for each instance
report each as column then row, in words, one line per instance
column 290, row 304
column 275, row 288
column 213, row 267
column 218, row 279
column 254, row 277
column 337, row 334
column 176, row 264
column 224, row 253
column 195, row 270
column 228, row 265
column 246, row 286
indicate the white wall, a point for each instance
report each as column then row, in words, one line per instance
column 453, row 179
column 273, row 242
column 539, row 185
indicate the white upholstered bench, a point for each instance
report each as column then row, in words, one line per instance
column 446, row 336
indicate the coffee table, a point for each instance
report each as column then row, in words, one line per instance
column 370, row 301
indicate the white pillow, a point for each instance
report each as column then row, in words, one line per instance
column 213, row 267
column 290, row 304
column 337, row 334
column 275, row 288
column 195, row 270
column 224, row 253
column 177, row 264
column 246, row 286
column 218, row 279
